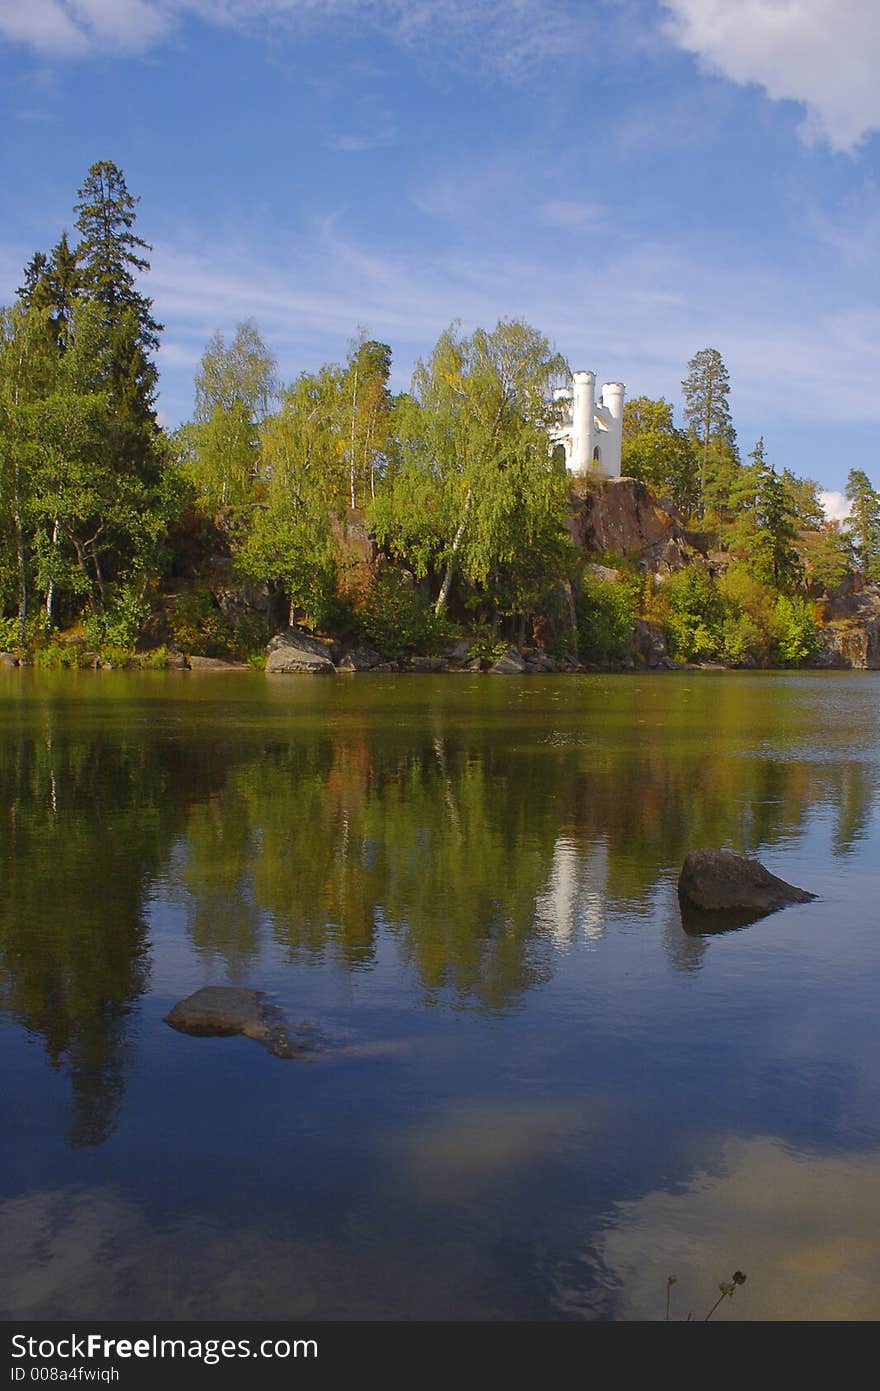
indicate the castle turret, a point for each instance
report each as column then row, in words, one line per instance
column 583, row 417
column 612, row 440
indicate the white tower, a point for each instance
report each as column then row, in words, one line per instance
column 582, row 422
column 609, row 440
column 592, row 433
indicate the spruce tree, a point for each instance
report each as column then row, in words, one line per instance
column 110, row 259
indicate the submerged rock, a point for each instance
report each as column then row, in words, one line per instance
column 222, row 1011
column 719, row 882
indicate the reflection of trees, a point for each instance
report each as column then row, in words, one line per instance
column 474, row 838
column 89, row 819
column 475, row 831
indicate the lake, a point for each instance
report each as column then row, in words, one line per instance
column 541, row 1097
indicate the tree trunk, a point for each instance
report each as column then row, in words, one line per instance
column 50, row 592
column 443, row 596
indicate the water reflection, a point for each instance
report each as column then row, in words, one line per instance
column 480, row 830
column 795, row 1222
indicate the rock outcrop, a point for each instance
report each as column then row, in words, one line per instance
column 621, row 515
column 851, row 635
column 295, row 651
column 718, row 882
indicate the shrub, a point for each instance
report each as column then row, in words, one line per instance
column 120, row 622
column 606, row 618
column 397, row 618
column 195, row 623
column 796, row 636
column 8, row 634
column 694, row 615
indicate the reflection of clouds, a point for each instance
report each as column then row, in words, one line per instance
column 93, row 1254
column 463, row 1149
column 802, row 1227
column 574, row 898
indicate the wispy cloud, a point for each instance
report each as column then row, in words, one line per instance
column 510, row 37
column 572, row 216
column 377, row 134
column 635, row 312
column 819, row 53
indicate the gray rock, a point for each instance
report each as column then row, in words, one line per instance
column 359, row 659
column 8, row 659
column 215, row 664
column 459, row 651
column 651, row 643
column 510, row 664
column 222, row 1011
column 176, row 661
column 717, row 881
column 540, row 661
column 428, row 664
column 294, row 651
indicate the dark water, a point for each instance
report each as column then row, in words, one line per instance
column 553, row 1097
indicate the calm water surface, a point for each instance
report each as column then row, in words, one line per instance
column 554, row 1097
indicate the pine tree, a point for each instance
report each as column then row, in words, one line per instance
column 706, row 389
column 864, row 521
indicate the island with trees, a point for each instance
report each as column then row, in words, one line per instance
column 430, row 529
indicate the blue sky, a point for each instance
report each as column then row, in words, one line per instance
column 638, row 179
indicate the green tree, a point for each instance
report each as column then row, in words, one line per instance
column 366, row 404
column 765, row 531
column 658, row 453
column 303, row 460
column 864, row 521
column 235, row 387
column 475, row 488
column 111, row 261
column 706, row 390
column 27, row 367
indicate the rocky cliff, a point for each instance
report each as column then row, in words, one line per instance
column 621, row 516
column 851, row 627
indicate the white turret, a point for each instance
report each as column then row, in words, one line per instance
column 611, row 416
column 582, row 418
column 591, row 434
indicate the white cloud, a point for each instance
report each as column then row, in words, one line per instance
column 836, row 506
column 820, row 53
column 45, row 25
column 73, row 28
